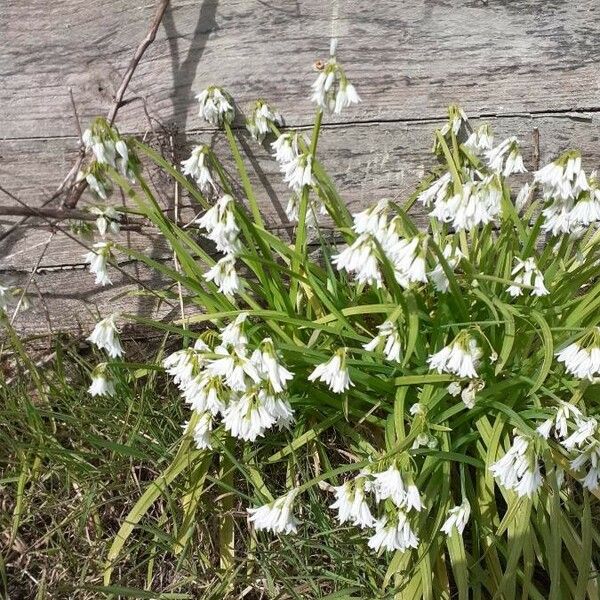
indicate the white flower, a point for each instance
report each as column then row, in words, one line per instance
column 248, row 418
column 565, row 412
column 106, row 335
column 276, row 516
column 477, row 203
column 285, row 148
column 183, row 365
column 393, row 534
column 564, row 178
column 398, row 488
column 586, row 428
column 98, row 259
column 457, row 518
column 438, row 276
column 234, row 366
column 522, row 197
column 298, row 172
column 526, row 273
column 509, row 148
column 437, row 191
column 519, row 469
column 373, row 220
column 406, row 255
column 195, row 167
column 582, row 358
column 351, row 505
column 233, row 333
column 418, row 409
column 456, row 118
column 4, row 297
column 331, row 89
column 215, row 106
column 259, row 123
column 469, row 393
column 360, row 258
column 102, row 384
column 480, row 140
column 545, row 428
column 224, row 276
column 346, row 96
column 107, row 221
column 102, row 147
column 590, row 459
column 454, row 389
column 204, row 392
column 96, row 185
column 202, row 431
column 460, row 357
column 220, row 224
column 266, row 361
column 389, row 335
column 585, row 211
column 333, row 372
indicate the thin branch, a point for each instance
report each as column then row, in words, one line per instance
column 67, row 233
column 59, row 214
column 75, row 192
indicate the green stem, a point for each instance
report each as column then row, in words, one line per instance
column 237, row 157
column 300, row 243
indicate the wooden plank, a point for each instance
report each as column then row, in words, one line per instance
column 408, row 59
column 367, row 162
column 68, row 301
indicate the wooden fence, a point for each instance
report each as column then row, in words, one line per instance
column 530, row 67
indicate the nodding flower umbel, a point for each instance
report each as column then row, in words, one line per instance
column 262, row 119
column 393, row 532
column 457, row 519
column 102, row 383
column 582, row 358
column 224, row 275
column 106, row 336
column 526, row 273
column 519, row 468
column 331, row 90
column 333, row 372
column 460, row 357
column 196, row 166
column 98, row 260
column 389, row 338
column 276, row 516
column 216, row 106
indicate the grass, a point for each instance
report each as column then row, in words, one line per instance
column 72, row 468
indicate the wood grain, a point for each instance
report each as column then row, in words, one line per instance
column 408, row 59
column 524, row 63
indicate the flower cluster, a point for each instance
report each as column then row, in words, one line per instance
column 221, row 227
column 197, row 168
column 380, row 238
column 98, row 260
column 331, row 90
column 296, row 166
column 262, row 119
column 572, row 198
column 582, row 358
column 526, row 274
column 397, row 498
column 108, row 150
column 519, row 468
column 216, row 106
column 245, row 388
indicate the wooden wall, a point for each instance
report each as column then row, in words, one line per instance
column 521, row 64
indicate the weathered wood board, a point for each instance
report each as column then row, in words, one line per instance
column 522, row 64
